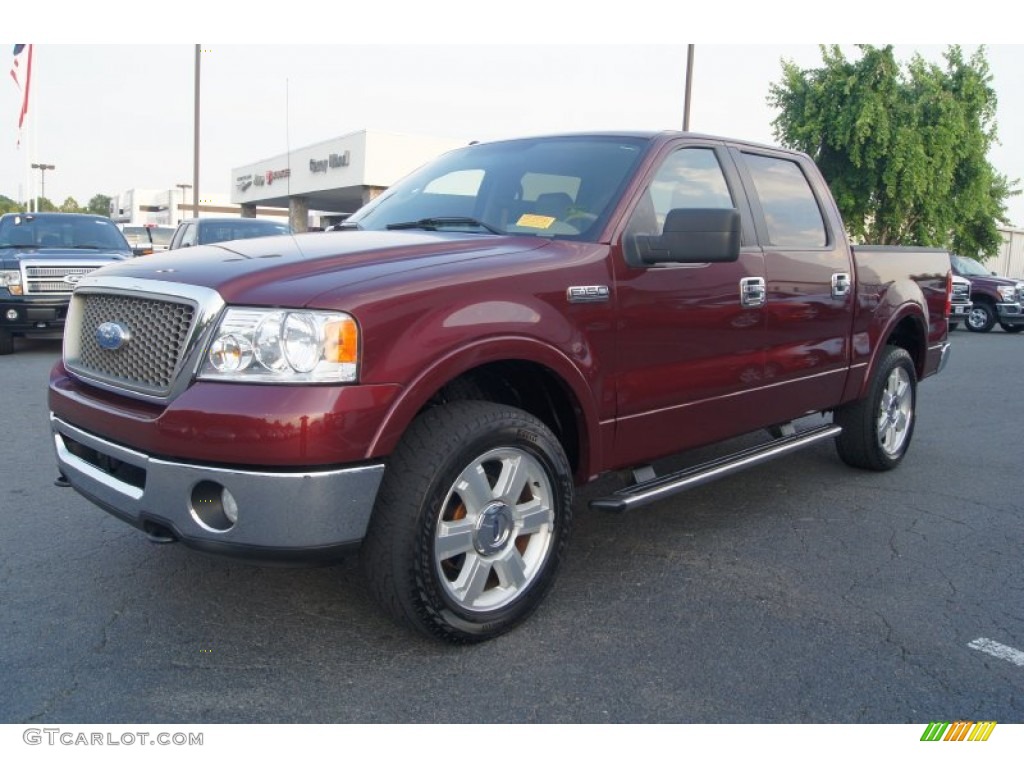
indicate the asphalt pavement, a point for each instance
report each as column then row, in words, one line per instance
column 800, row 591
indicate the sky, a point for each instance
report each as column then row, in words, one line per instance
column 113, row 117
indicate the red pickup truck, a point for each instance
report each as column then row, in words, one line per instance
column 513, row 320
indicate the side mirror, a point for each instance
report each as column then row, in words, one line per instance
column 694, row 236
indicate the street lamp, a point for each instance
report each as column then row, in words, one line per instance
column 43, row 168
column 182, row 187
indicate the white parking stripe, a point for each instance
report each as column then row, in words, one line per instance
column 1000, row 651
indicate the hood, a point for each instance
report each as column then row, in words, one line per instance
column 10, row 257
column 291, row 270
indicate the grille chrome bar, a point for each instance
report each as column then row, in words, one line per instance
column 54, row 278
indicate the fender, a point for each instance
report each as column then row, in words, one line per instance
column 481, row 352
column 883, row 327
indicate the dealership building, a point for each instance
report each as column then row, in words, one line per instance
column 326, row 182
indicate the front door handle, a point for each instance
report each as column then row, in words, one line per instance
column 753, row 292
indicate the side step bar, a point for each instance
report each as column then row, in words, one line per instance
column 662, row 487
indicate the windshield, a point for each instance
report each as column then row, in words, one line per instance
column 969, row 267
column 551, row 187
column 55, row 230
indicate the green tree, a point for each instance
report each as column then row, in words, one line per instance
column 9, row 206
column 905, row 152
column 70, row 205
column 44, row 204
column 99, row 205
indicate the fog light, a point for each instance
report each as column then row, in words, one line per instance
column 213, row 507
column 12, row 314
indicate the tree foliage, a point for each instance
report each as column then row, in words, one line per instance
column 905, row 152
column 99, row 204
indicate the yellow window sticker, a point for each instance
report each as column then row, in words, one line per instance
column 535, row 220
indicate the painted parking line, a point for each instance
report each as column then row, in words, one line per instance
column 1000, row 651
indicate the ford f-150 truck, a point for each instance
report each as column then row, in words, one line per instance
column 513, row 320
column 42, row 258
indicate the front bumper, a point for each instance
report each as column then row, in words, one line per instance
column 959, row 312
column 1010, row 314
column 281, row 515
column 31, row 315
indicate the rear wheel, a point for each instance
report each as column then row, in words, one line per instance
column 877, row 429
column 471, row 522
column 954, row 326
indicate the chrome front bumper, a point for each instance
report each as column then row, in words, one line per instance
column 277, row 515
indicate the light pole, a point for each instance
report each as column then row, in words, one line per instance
column 43, row 168
column 689, row 87
column 182, row 187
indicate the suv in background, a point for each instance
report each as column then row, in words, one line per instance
column 147, row 238
column 42, row 258
column 996, row 298
column 210, row 230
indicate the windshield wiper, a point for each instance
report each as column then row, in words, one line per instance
column 434, row 222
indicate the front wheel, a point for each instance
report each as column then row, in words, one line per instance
column 877, row 429
column 981, row 318
column 471, row 521
column 1011, row 328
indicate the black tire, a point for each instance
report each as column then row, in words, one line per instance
column 6, row 343
column 981, row 318
column 954, row 326
column 877, row 429
column 502, row 546
column 1011, row 328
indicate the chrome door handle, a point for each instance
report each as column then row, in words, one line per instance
column 841, row 285
column 753, row 292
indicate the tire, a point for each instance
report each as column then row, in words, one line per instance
column 877, row 429
column 6, row 343
column 1011, row 328
column 471, row 522
column 981, row 318
column 954, row 326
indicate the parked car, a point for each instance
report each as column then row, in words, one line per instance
column 512, row 320
column 996, row 299
column 960, row 303
column 43, row 256
column 204, row 231
column 147, row 238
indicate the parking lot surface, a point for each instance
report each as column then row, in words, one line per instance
column 800, row 591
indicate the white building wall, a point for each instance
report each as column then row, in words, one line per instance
column 1010, row 261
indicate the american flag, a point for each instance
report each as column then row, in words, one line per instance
column 21, row 73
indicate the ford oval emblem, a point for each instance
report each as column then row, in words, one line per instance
column 112, row 336
column 72, row 279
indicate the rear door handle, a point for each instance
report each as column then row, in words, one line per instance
column 841, row 285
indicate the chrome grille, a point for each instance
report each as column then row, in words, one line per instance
column 156, row 338
column 56, row 279
column 961, row 291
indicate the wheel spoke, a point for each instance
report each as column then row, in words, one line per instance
column 472, row 579
column 533, row 516
column 474, row 489
column 514, row 475
column 511, row 569
column 454, row 538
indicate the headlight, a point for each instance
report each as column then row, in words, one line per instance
column 1007, row 292
column 11, row 280
column 283, row 346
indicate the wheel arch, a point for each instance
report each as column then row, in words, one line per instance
column 521, row 372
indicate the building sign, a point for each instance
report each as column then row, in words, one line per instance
column 333, row 161
column 269, row 177
column 243, row 182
